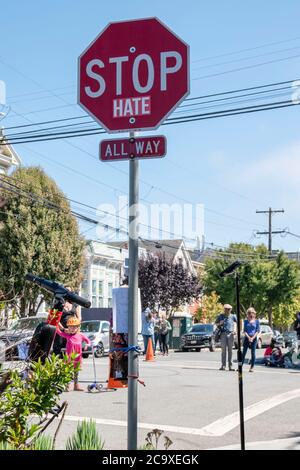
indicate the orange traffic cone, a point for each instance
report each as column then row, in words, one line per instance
column 149, row 353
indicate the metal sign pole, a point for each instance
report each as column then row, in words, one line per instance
column 240, row 367
column 133, row 301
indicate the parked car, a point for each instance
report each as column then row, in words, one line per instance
column 279, row 338
column 289, row 337
column 198, row 337
column 98, row 333
column 264, row 338
column 19, row 335
column 141, row 343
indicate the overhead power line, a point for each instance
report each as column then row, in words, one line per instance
column 247, row 67
column 169, row 121
column 239, row 51
column 8, row 186
column 266, row 88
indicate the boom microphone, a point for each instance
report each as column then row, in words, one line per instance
column 230, row 268
column 58, row 290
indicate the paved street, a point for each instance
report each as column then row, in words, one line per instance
column 194, row 403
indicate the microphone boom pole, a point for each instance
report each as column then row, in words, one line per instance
column 232, row 268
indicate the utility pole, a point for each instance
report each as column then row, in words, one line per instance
column 270, row 232
column 132, row 409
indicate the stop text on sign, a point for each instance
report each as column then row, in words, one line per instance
column 91, row 71
column 140, row 147
column 133, row 75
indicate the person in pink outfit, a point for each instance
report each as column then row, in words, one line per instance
column 74, row 345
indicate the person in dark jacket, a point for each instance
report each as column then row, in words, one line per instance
column 296, row 325
column 70, row 310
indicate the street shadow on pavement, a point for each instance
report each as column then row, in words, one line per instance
column 295, row 444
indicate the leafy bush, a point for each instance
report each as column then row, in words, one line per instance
column 43, row 442
column 34, row 394
column 85, row 438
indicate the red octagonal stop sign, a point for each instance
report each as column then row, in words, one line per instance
column 133, row 75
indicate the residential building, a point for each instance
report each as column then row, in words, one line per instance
column 102, row 272
column 175, row 250
column 8, row 156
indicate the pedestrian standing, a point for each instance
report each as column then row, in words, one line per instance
column 69, row 310
column 164, row 329
column 251, row 332
column 148, row 323
column 296, row 325
column 226, row 322
column 157, row 338
column 74, row 345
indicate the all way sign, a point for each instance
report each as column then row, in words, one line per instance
column 135, row 147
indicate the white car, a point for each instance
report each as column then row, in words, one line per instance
column 98, row 333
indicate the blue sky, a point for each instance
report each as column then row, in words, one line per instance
column 232, row 165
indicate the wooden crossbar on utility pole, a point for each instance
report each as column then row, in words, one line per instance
column 270, row 232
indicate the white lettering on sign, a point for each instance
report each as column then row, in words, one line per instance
column 118, row 61
column 156, row 145
column 135, row 73
column 90, row 73
column 146, row 147
column 124, row 107
column 115, row 151
column 164, row 70
column 139, row 87
column 140, row 148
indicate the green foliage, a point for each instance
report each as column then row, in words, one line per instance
column 36, row 237
column 7, row 446
column 34, row 395
column 146, row 447
column 264, row 283
column 43, row 442
column 85, row 438
column 210, row 308
column 284, row 314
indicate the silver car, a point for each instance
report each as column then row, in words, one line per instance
column 98, row 333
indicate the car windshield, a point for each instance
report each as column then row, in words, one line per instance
column 90, row 326
column 26, row 323
column 291, row 334
column 201, row 329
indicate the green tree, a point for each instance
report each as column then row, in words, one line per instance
column 265, row 283
column 284, row 314
column 38, row 234
column 210, row 308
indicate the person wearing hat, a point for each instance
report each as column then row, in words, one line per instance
column 74, row 345
column 226, row 323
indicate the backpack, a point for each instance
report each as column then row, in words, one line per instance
column 217, row 334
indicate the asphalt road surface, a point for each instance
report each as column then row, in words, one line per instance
column 194, row 403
